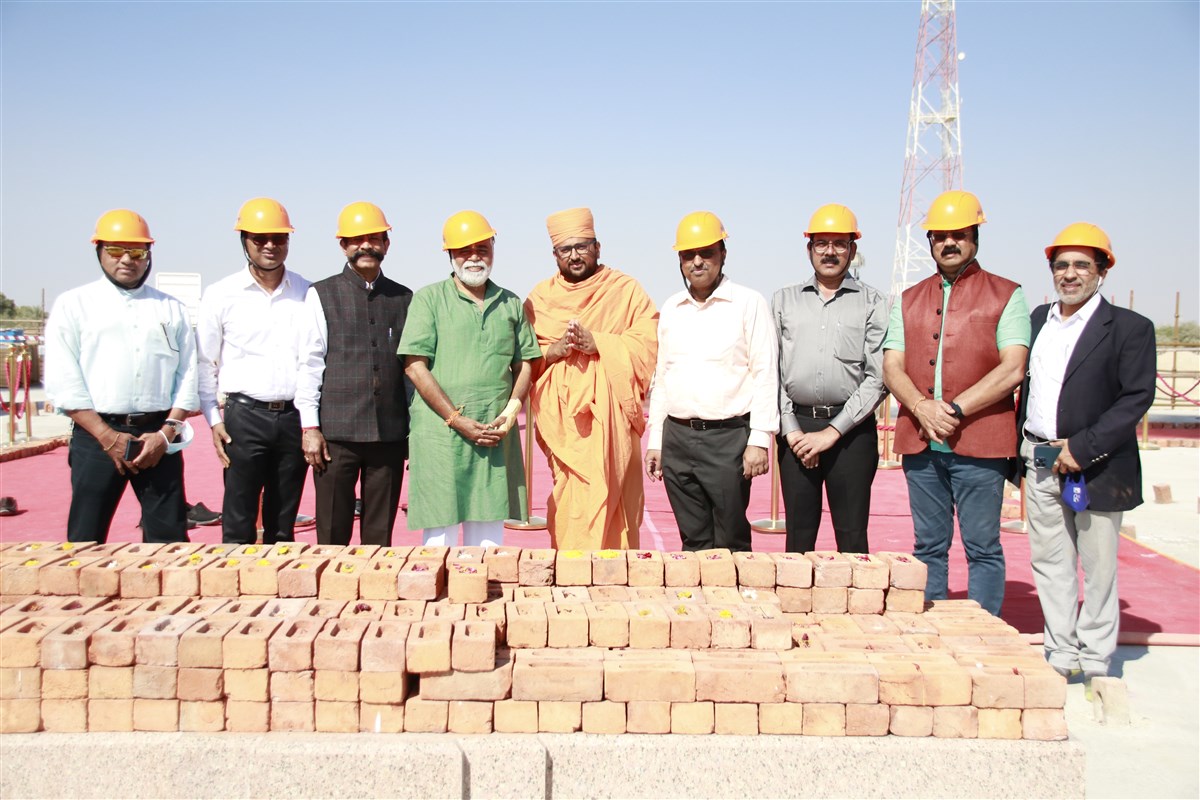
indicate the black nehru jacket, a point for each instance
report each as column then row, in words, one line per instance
column 362, row 393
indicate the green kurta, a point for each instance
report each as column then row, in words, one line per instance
column 471, row 352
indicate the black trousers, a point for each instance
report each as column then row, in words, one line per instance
column 265, row 460
column 381, row 468
column 96, row 489
column 703, row 472
column 847, row 471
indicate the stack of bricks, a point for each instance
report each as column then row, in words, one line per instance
column 192, row 637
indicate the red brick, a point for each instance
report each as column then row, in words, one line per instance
column 64, row 716
column 64, row 684
column 20, row 644
column 426, row 716
column 502, row 564
column 378, row 581
column 473, row 646
column 467, row 582
column 335, row 686
column 201, row 716
column 610, row 568
column 865, row 601
column 738, row 719
column 910, row 601
column 421, row 579
column 208, row 607
column 247, row 717
column 730, row 626
column 469, row 716
column 830, row 569
column 250, row 685
column 826, row 681
column 221, row 578
column 724, row 595
column 61, row 576
column 201, row 645
column 292, row 687
column 717, row 567
column 260, row 576
column 1044, row 688
column 566, row 625
column 383, row 646
column 690, row 626
column 380, row 718
column 1043, row 724
column 769, row 629
column 527, row 624
column 559, row 716
column 444, row 611
column 181, row 577
column 603, row 716
column 338, row 645
column 495, row 684
column 573, row 568
column 143, row 578
column 155, row 683
column 644, row 568
column 155, row 715
column 608, row 624
column 339, row 581
column 404, row 610
column 1000, row 723
column 781, row 718
column 547, row 594
column 536, row 567
column 956, row 722
column 491, row 612
column 293, row 717
column 65, row 647
column 323, row 609
column 632, row 675
column 648, row 716
column 110, row 683
column 752, row 676
column 515, row 716
column 164, row 606
column 867, row 719
column 948, row 686
column 110, row 716
column 20, row 683
column 201, row 684
column 428, row 647
column 242, row 607
column 693, row 717
column 868, row 571
column 794, row 601
column 575, row 675
column 824, row 719
column 301, row 578
column 906, row 571
column 829, row 600
column 681, row 569
column 755, row 569
column 996, row 687
column 158, row 642
column 245, row 646
column 793, row 570
column 911, row 721
column 383, row 688
column 290, row 648
column 20, row 576
column 649, row 627
column 900, row 683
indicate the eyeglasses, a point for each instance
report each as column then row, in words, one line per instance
column 707, row 254
column 1079, row 266
column 837, row 246
column 136, row 253
column 579, row 247
column 941, row 236
column 261, row 239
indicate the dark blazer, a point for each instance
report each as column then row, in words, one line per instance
column 1109, row 385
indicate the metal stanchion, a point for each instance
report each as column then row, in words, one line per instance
column 888, row 461
column 776, row 523
column 1145, row 443
column 530, row 523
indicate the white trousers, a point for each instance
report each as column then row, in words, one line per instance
column 1061, row 540
column 475, row 534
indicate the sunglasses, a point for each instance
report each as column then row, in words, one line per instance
column 261, row 239
column 136, row 253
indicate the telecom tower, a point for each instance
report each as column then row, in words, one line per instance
column 933, row 149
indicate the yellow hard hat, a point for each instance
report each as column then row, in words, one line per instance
column 1083, row 234
column 834, row 218
column 361, row 218
column 953, row 211
column 464, row 228
column 263, row 215
column 698, row 229
column 122, row 225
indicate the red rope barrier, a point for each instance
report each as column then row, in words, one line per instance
column 1166, row 387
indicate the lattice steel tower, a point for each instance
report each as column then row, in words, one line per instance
column 933, row 150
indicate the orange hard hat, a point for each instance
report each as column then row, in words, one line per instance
column 122, row 225
column 834, row 218
column 464, row 228
column 263, row 215
column 698, row 229
column 361, row 218
column 1083, row 234
column 954, row 211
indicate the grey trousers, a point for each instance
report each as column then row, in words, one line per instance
column 1060, row 540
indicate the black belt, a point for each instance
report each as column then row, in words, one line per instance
column 136, row 420
column 818, row 412
column 713, row 424
column 1033, row 438
column 265, row 405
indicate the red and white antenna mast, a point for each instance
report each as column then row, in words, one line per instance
column 933, row 149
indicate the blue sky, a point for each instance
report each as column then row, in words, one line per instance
column 759, row 112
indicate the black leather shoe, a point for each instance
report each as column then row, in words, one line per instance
column 202, row 515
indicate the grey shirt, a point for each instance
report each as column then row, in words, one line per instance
column 830, row 351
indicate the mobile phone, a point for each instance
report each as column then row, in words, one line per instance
column 133, row 449
column 1044, row 455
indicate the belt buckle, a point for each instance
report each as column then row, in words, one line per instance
column 698, row 424
column 276, row 405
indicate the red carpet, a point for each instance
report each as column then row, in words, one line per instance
column 1158, row 595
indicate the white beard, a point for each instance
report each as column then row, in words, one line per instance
column 472, row 279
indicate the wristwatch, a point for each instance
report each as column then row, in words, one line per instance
column 958, row 412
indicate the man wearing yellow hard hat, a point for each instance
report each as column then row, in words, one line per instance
column 830, row 330
column 711, row 421
column 121, row 363
column 248, row 336
column 597, row 328
column 467, row 348
column 350, row 393
column 1090, row 379
column 954, row 352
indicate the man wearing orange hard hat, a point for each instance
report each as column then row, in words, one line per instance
column 711, row 423
column 249, row 340
column 350, row 394
column 954, row 352
column 121, row 363
column 467, row 349
column 1091, row 378
column 830, row 330
column 598, row 330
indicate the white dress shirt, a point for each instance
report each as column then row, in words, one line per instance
column 1048, row 365
column 120, row 351
column 716, row 360
column 250, row 341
